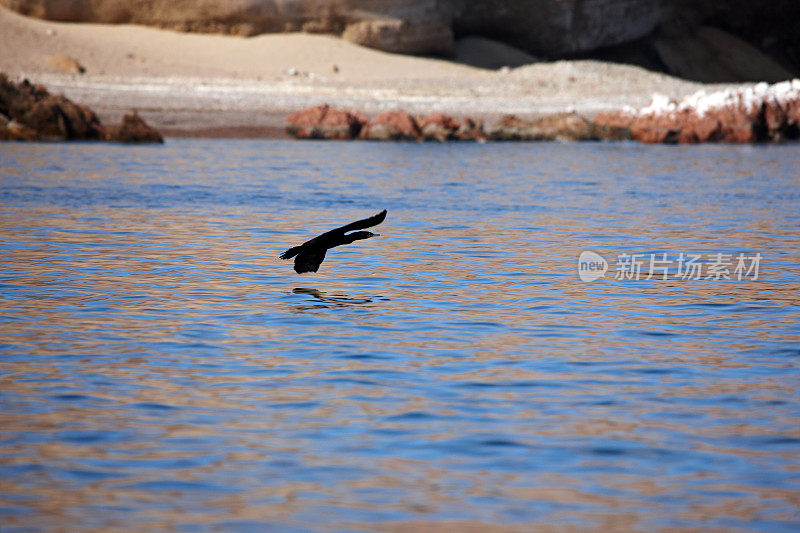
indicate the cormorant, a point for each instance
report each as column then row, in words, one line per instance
column 311, row 253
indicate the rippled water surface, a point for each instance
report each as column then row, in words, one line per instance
column 161, row 368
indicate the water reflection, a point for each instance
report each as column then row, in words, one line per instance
column 162, row 369
column 331, row 299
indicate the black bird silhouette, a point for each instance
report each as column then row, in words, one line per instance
column 311, row 253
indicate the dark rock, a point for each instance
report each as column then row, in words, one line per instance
column 11, row 130
column 133, row 129
column 52, row 117
column 710, row 55
column 768, row 25
column 392, row 126
column 29, row 112
column 325, row 122
column 490, row 54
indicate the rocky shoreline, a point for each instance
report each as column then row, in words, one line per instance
column 752, row 114
column 760, row 113
column 28, row 112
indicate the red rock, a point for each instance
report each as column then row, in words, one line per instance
column 685, row 127
column 694, row 128
column 655, row 129
column 749, row 114
column 735, row 125
column 133, row 129
column 392, row 126
column 325, row 122
column 614, row 126
column 439, row 127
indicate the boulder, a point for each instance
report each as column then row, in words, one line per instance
column 11, row 130
column 133, row 129
column 711, row 55
column 392, row 126
column 471, row 130
column 615, row 126
column 567, row 127
column 560, row 28
column 402, row 36
column 439, row 127
column 782, row 118
column 560, row 126
column 513, row 128
column 29, row 112
column 768, row 25
column 325, row 122
column 51, row 116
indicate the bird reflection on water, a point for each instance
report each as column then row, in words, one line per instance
column 338, row 300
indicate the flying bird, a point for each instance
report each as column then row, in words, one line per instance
column 310, row 254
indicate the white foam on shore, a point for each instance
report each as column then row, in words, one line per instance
column 749, row 99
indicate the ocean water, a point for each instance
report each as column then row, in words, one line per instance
column 162, row 369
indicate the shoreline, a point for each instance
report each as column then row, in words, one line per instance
column 246, row 108
column 205, row 85
column 189, row 85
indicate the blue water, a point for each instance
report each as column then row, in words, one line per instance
column 162, row 369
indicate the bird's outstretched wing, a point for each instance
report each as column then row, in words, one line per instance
column 361, row 224
column 291, row 252
column 312, row 252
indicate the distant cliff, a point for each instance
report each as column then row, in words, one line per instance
column 656, row 31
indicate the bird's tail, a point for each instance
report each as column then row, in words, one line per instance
column 291, row 252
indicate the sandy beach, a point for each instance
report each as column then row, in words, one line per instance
column 214, row 85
